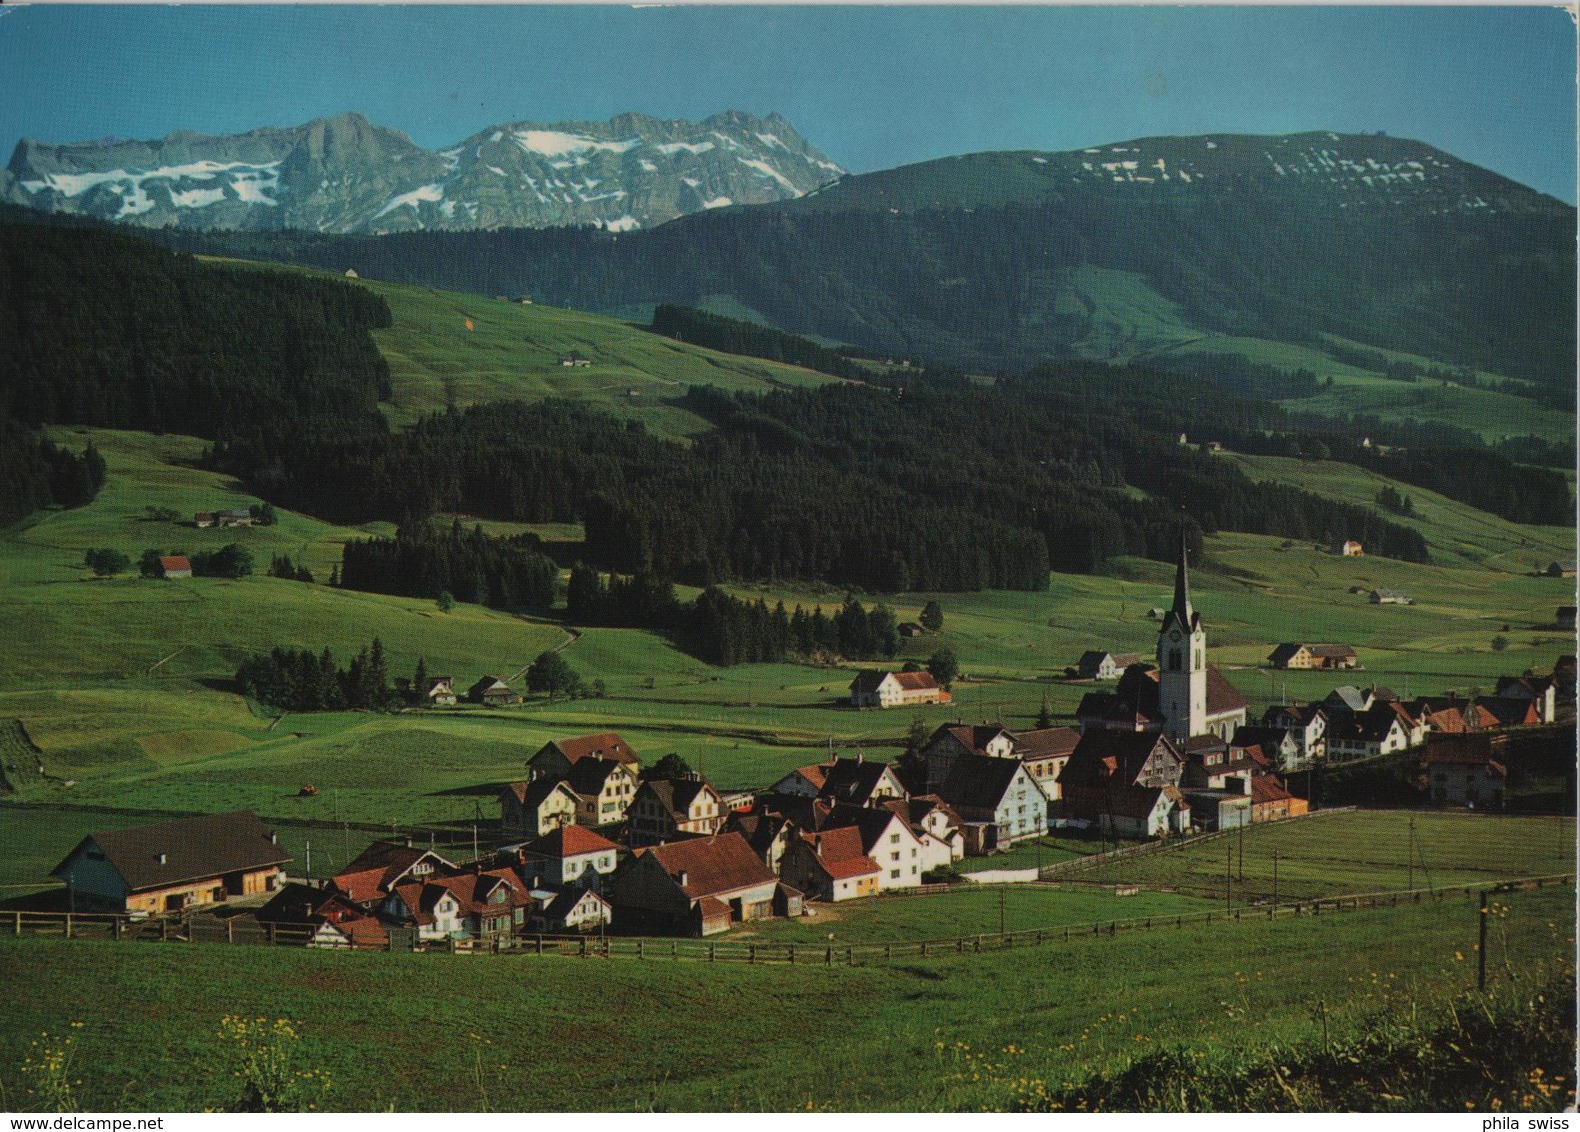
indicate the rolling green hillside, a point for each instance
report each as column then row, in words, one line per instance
column 121, row 681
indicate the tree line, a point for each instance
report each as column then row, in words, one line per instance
column 298, row 680
column 468, row 565
column 35, row 473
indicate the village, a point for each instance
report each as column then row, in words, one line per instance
column 590, row 839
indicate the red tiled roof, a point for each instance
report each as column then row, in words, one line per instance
column 719, row 864
column 605, row 744
column 570, row 841
column 1047, row 742
column 170, row 562
column 916, row 681
column 1267, row 789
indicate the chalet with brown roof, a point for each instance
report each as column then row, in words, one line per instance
column 171, row 866
column 831, row 865
column 536, row 807
column 1271, row 801
column 1464, row 770
column 175, row 566
column 570, row 855
column 895, row 689
column 1383, row 728
column 1307, row 723
column 664, row 809
column 491, row 691
column 1127, row 783
column 937, row 828
column 604, row 789
column 440, row 692
column 1540, row 690
column 1349, row 548
column 859, row 782
column 997, row 801
column 1298, row 656
column 694, row 887
column 1512, row 711
column 479, row 905
column 379, row 868
column 575, row 909
column 766, row 828
column 556, row 757
column 953, row 741
column 1045, row 752
column 888, row 838
column 1096, row 664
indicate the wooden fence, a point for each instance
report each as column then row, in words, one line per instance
column 239, row 930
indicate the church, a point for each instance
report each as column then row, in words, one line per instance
column 1183, row 697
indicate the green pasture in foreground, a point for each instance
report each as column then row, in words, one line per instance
column 528, row 1034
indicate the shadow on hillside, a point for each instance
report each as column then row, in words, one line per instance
column 481, row 790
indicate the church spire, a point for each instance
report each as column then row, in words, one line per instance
column 1183, row 613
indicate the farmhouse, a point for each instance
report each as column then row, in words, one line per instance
column 1461, row 771
column 1308, row 724
column 831, row 865
column 910, row 629
column 895, row 689
column 440, row 691
column 1294, row 655
column 570, row 855
column 204, row 519
column 556, row 757
column 1126, row 783
column 381, row 867
column 535, row 807
column 695, row 887
column 1044, row 753
column 997, row 801
column 936, row 826
column 888, row 838
column 1565, row 617
column 1391, row 597
column 1349, row 548
column 766, row 828
column 175, row 566
column 663, row 809
column 1096, row 665
column 1540, row 690
column 604, row 789
column 859, row 782
column 233, row 517
column 494, row 692
column 175, row 865
column 580, row 909
column 1379, row 730
column 1560, row 570
column 954, row 741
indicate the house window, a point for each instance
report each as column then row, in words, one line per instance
column 894, row 874
column 894, row 839
column 894, row 856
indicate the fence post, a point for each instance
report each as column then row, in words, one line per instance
column 115, row 928
column 850, row 956
column 924, row 949
column 68, row 925
column 17, row 929
column 1481, row 949
column 751, row 953
column 540, row 945
column 792, row 953
column 584, row 947
column 888, row 952
column 641, row 948
column 711, row 947
column 230, row 931
column 164, row 932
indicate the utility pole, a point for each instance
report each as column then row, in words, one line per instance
column 1241, row 839
column 309, row 861
column 1228, row 878
column 1410, row 853
column 1275, row 878
column 1001, row 910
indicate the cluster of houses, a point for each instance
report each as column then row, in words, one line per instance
column 439, row 691
column 232, row 517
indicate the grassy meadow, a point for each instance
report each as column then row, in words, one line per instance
column 956, row 1033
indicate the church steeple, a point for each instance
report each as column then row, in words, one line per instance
column 1182, row 611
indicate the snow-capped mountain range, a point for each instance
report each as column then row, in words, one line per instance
column 345, row 174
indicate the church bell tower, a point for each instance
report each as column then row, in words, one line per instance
column 1182, row 661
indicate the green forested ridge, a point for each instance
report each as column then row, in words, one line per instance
column 1007, row 279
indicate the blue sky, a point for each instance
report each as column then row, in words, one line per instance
column 872, row 86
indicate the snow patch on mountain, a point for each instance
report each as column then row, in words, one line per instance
column 553, row 143
column 432, row 194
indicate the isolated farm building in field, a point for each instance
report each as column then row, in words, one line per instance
column 896, row 689
column 1294, row 655
column 556, row 757
column 175, row 865
column 574, row 360
column 536, row 807
column 440, row 691
column 1349, row 548
column 1097, row 665
column 1391, row 597
column 205, row 519
column 911, row 629
column 494, row 692
column 695, row 887
column 663, row 809
column 1560, row 570
column 175, row 566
